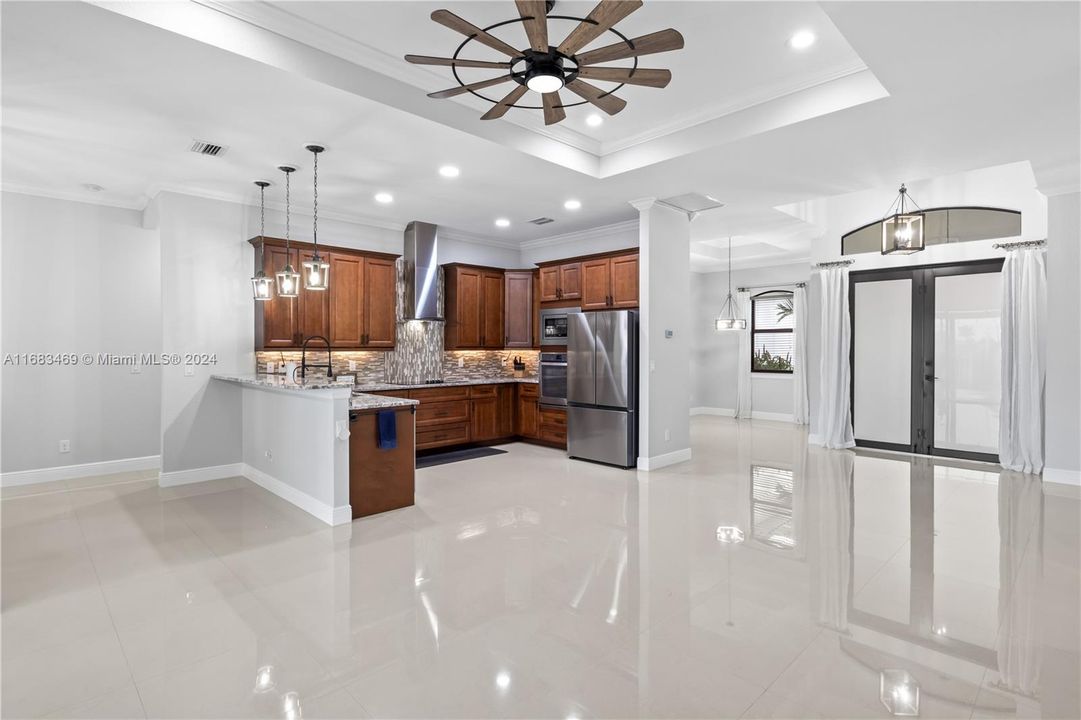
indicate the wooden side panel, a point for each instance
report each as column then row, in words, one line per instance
column 595, row 290
column 624, row 282
column 380, row 277
column 347, row 293
column 380, row 480
column 518, row 309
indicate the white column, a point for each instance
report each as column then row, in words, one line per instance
column 664, row 335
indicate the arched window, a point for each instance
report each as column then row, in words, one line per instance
column 772, row 321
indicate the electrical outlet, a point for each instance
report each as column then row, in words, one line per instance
column 270, row 455
column 135, row 370
column 271, row 367
column 667, row 435
column 65, row 446
column 461, row 362
column 189, row 370
column 352, row 365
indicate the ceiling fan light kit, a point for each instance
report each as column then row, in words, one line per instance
column 547, row 69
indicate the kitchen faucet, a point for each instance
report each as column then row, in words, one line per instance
column 304, row 359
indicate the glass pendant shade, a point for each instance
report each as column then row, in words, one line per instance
column 261, row 286
column 288, row 282
column 316, row 273
column 902, row 234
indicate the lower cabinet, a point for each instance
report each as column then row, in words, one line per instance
column 380, row 480
column 528, row 425
column 553, row 425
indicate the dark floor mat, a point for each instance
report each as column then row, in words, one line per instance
column 456, row 455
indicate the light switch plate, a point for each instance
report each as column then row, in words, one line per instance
column 189, row 370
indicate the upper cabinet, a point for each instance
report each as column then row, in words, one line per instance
column 473, row 299
column 356, row 312
column 600, row 282
column 518, row 308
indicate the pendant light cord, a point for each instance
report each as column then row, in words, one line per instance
column 262, row 224
column 287, row 174
column 315, row 210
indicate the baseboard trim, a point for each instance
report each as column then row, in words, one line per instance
column 70, row 472
column 1061, row 477
column 659, row 461
column 340, row 515
column 196, row 475
column 755, row 414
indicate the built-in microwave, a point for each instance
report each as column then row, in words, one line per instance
column 553, row 325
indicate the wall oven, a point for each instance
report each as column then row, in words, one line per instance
column 553, row 325
column 553, row 378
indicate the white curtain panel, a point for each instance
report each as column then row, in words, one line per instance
column 800, row 412
column 743, row 365
column 834, row 412
column 1024, row 312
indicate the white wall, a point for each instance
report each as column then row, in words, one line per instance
column 78, row 278
column 715, row 355
column 606, row 238
column 1063, row 389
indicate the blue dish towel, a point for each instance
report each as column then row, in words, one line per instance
column 388, row 430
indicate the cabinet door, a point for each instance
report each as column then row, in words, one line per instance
column 527, row 417
column 549, row 284
column 624, row 282
column 314, row 309
column 518, row 309
column 347, row 294
column 507, row 410
column 492, row 328
column 467, row 309
column 278, row 328
column 484, row 419
column 595, row 291
column 570, row 281
column 379, row 287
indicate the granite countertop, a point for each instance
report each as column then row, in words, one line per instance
column 373, row 387
column 278, row 382
column 378, row 402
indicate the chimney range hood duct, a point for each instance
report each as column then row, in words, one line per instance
column 421, row 270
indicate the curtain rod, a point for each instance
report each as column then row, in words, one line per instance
column 745, row 288
column 1019, row 245
column 835, row 263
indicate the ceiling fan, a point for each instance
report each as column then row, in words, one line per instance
column 547, row 69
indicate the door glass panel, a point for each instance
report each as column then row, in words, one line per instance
column 967, row 341
column 882, row 370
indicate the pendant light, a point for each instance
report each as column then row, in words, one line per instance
column 288, row 278
column 902, row 232
column 728, row 319
column 260, row 283
column 316, row 270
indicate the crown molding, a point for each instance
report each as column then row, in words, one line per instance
column 581, row 235
column 460, row 236
column 101, row 199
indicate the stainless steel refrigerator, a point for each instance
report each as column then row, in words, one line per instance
column 602, row 387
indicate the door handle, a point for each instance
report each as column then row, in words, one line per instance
column 930, row 378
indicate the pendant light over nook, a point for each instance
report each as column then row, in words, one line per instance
column 902, row 232
column 288, row 277
column 316, row 270
column 728, row 319
column 260, row 283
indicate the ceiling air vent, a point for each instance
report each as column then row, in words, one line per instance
column 541, row 220
column 202, row 147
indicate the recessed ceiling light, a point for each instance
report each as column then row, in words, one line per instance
column 801, row 40
column 449, row 171
column 384, row 197
column 572, row 204
column 502, row 222
column 594, row 120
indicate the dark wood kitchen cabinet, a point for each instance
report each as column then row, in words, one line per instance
column 518, row 308
column 607, row 281
column 484, row 413
column 380, row 480
column 595, row 283
column 356, row 312
column 528, row 413
column 623, row 288
column 473, row 299
column 561, row 281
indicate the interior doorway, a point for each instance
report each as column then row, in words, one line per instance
column 925, row 358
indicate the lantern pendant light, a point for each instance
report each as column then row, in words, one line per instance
column 902, row 232
column 288, row 277
column 260, row 283
column 728, row 319
column 316, row 270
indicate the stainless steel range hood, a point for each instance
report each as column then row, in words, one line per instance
column 421, row 271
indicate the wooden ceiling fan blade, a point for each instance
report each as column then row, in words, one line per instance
column 451, row 92
column 609, row 103
column 500, row 108
column 448, row 19
column 604, row 16
column 635, row 76
column 553, row 108
column 658, row 42
column 459, row 62
column 536, row 27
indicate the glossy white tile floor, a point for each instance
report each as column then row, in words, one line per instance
column 526, row 585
